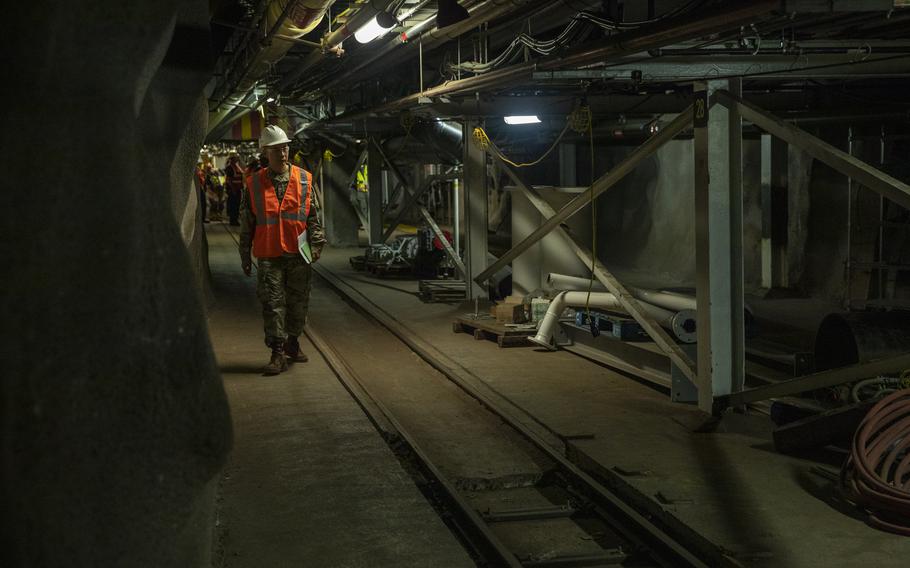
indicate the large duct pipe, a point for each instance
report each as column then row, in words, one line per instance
column 681, row 323
column 858, row 337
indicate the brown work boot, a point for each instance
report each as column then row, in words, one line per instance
column 277, row 364
column 292, row 349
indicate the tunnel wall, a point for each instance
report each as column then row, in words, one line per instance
column 115, row 421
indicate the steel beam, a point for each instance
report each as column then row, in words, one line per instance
column 820, row 380
column 605, row 182
column 714, row 67
column 718, row 247
column 860, row 171
column 474, row 173
column 657, row 333
column 374, row 195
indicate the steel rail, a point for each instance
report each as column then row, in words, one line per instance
column 382, row 418
column 623, row 517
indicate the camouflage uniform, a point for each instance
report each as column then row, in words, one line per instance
column 283, row 283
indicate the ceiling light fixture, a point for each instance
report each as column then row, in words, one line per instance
column 521, row 119
column 450, row 12
column 376, row 27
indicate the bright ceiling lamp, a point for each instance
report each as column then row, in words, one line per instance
column 450, row 12
column 521, row 119
column 376, row 27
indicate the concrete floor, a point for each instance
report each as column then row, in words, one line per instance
column 310, row 482
column 731, row 487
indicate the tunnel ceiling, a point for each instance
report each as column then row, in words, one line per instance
column 630, row 61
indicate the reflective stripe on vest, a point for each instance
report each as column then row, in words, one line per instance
column 277, row 228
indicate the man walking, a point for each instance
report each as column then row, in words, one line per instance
column 279, row 223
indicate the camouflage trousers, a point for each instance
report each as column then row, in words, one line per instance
column 283, row 287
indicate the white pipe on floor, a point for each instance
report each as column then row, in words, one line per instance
column 670, row 300
column 682, row 323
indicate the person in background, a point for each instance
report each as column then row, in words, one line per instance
column 234, row 186
column 199, row 182
column 276, row 209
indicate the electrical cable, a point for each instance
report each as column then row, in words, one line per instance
column 582, row 117
column 483, row 141
column 576, row 26
column 876, row 475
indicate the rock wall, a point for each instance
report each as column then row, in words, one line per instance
column 115, row 422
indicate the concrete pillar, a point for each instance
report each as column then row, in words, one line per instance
column 341, row 220
column 475, row 211
column 774, row 167
column 374, row 196
column 719, row 262
column 799, row 176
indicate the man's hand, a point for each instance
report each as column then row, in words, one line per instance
column 246, row 263
column 317, row 252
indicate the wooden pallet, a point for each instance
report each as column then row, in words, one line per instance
column 441, row 290
column 493, row 330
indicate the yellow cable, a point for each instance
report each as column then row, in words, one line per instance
column 328, row 155
column 484, row 142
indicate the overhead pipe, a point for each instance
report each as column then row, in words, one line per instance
column 332, row 40
column 284, row 23
column 681, row 323
column 673, row 30
column 390, row 54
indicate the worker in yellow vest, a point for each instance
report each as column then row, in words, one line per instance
column 280, row 225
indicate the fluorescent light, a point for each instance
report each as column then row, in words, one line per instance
column 370, row 31
column 270, row 100
column 522, row 119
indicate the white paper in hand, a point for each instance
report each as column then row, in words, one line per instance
column 303, row 245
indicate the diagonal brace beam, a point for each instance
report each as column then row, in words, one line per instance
column 412, row 199
column 605, row 182
column 631, row 305
column 875, row 179
column 447, row 247
column 822, row 379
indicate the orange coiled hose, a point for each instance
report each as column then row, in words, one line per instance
column 876, row 475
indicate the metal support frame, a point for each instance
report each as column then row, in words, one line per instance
column 374, row 195
column 411, row 201
column 447, row 247
column 654, row 330
column 605, row 182
column 860, row 171
column 820, row 380
column 474, row 173
column 718, row 247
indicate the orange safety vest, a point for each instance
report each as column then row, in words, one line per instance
column 279, row 224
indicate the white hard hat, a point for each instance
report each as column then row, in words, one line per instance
column 273, row 135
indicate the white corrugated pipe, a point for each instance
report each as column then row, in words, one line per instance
column 681, row 323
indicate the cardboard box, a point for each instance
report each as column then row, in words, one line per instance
column 510, row 313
